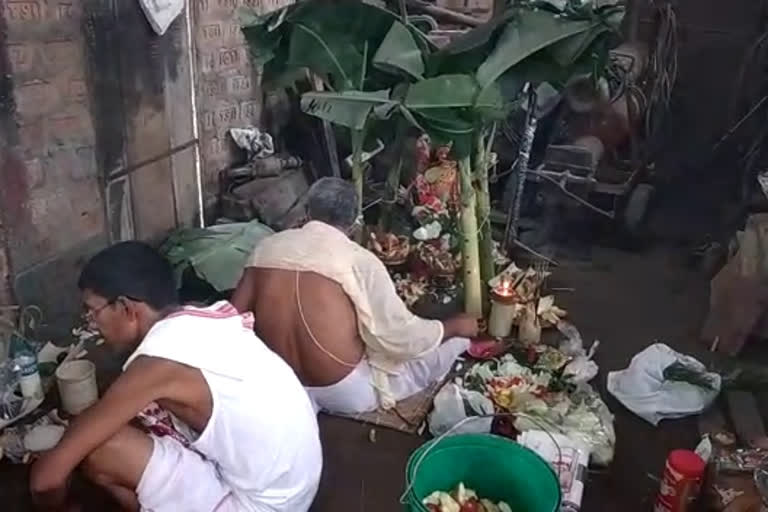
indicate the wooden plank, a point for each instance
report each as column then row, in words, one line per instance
column 746, row 418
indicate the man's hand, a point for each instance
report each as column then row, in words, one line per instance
column 145, row 380
column 461, row 325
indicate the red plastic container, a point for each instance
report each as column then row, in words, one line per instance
column 681, row 483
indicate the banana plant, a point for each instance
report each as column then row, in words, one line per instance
column 358, row 51
column 454, row 94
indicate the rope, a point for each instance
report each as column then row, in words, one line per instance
column 311, row 334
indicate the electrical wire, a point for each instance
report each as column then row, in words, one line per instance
column 663, row 67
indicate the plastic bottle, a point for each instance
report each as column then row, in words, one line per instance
column 25, row 358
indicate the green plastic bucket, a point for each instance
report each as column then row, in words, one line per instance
column 497, row 468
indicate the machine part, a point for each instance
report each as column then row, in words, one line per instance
column 580, row 158
column 632, row 58
column 268, row 167
column 584, row 95
column 636, row 208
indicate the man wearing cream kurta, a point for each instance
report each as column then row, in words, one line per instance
column 329, row 308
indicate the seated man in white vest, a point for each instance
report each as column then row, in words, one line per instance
column 227, row 426
column 330, row 309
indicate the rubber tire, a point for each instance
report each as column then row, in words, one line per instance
column 636, row 209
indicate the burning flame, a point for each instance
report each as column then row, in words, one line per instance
column 504, row 288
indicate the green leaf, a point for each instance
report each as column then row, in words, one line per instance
column 445, row 91
column 447, row 127
column 478, row 37
column 348, row 108
column 263, row 42
column 325, row 53
column 399, row 51
column 490, row 104
column 217, row 254
column 522, row 37
column 568, row 50
column 537, row 68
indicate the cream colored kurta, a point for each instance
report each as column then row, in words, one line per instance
column 390, row 332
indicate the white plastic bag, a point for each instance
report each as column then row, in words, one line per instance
column 450, row 410
column 581, row 368
column 643, row 390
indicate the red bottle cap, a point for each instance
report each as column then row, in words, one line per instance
column 687, row 463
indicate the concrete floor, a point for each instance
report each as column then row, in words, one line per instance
column 626, row 300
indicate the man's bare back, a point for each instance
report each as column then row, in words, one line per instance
column 328, row 316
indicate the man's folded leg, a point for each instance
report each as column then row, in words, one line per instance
column 157, row 474
column 355, row 394
column 418, row 374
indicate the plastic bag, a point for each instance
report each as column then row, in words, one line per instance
column 643, row 389
column 581, row 368
column 451, row 404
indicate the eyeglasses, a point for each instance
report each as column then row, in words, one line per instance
column 90, row 314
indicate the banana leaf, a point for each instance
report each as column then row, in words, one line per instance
column 465, row 53
column 523, row 36
column 335, row 40
column 445, row 91
column 217, row 254
column 399, row 52
column 348, row 108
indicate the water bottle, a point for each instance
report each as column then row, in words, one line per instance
column 25, row 358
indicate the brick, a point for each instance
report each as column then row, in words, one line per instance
column 35, row 173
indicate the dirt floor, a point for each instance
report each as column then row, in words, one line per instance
column 627, row 300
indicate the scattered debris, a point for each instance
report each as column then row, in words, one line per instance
column 529, row 387
column 391, row 249
column 18, row 443
column 727, row 495
column 410, row 289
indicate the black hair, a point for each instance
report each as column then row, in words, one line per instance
column 333, row 201
column 133, row 270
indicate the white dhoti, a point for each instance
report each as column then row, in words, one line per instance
column 356, row 394
column 178, row 478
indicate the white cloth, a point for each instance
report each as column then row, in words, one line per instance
column 262, row 436
column 161, row 13
column 177, row 478
column 354, row 393
column 391, row 333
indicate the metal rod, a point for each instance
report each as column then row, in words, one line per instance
column 131, row 168
column 524, row 156
column 573, row 196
